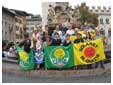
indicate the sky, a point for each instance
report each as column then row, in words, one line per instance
column 35, row 6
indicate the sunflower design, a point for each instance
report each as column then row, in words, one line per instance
column 59, row 53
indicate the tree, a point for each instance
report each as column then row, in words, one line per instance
column 93, row 19
column 86, row 16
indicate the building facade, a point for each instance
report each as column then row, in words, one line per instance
column 54, row 13
column 32, row 22
column 104, row 18
column 8, row 25
column 13, row 24
column 20, row 22
column 45, row 8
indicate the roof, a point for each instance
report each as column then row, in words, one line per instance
column 20, row 13
column 7, row 10
column 16, row 12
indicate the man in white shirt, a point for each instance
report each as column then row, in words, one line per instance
column 70, row 31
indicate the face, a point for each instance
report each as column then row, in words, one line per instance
column 46, row 33
column 70, row 26
column 48, row 39
column 88, row 35
column 78, row 36
column 35, row 31
column 56, row 36
column 57, row 27
column 63, row 32
column 46, row 28
column 97, row 32
column 67, row 37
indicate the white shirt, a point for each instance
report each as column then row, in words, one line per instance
column 36, row 35
column 38, row 45
column 60, row 34
column 70, row 32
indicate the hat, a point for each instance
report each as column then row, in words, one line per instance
column 81, row 32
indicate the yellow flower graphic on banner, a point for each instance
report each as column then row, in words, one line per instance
column 23, row 56
column 59, row 53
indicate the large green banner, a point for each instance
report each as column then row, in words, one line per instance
column 59, row 56
column 26, row 60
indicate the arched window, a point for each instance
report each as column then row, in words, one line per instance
column 107, row 21
column 101, row 21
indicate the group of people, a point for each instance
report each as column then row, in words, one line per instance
column 59, row 36
column 63, row 36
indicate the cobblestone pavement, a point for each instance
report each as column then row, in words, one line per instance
column 16, row 78
column 13, row 78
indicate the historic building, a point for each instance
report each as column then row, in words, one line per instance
column 8, row 25
column 32, row 22
column 54, row 13
column 104, row 17
column 45, row 8
column 20, row 22
column 13, row 24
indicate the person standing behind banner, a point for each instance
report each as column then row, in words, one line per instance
column 67, row 41
column 26, row 43
column 47, row 41
column 88, row 38
column 56, row 40
column 59, row 31
column 79, row 38
column 63, row 38
column 35, row 39
column 53, row 34
column 70, row 31
column 97, row 35
column 100, row 62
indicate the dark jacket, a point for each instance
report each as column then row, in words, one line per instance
column 27, row 44
column 78, row 40
column 66, row 44
column 56, row 42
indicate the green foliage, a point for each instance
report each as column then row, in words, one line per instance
column 86, row 16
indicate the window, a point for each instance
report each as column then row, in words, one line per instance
column 102, row 31
column 108, row 11
column 91, row 10
column 17, row 28
column 20, row 21
column 101, row 21
column 96, row 10
column 109, row 33
column 16, row 20
column 107, row 21
column 5, row 33
column 5, row 24
column 17, row 36
column 102, row 10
